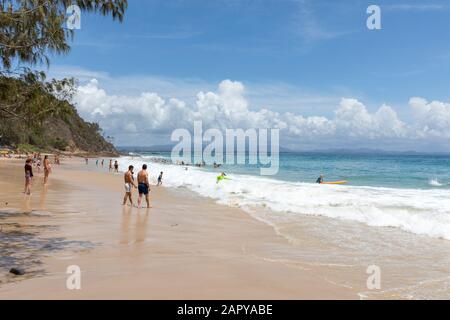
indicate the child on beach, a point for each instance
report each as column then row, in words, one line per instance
column 160, row 179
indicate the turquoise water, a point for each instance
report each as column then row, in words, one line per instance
column 394, row 213
column 410, row 192
column 395, row 171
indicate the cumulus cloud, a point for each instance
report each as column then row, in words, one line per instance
column 432, row 118
column 149, row 115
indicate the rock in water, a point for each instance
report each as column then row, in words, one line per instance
column 17, row 271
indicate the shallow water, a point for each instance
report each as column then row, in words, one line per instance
column 409, row 204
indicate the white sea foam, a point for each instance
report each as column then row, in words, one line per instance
column 435, row 183
column 424, row 212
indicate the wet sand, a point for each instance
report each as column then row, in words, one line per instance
column 185, row 247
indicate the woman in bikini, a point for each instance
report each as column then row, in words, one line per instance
column 28, row 176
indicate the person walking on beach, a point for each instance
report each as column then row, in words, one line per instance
column 47, row 169
column 110, row 165
column 160, row 179
column 96, row 162
column 87, row 160
column 129, row 185
column 103, row 161
column 116, row 167
column 143, row 185
column 28, row 176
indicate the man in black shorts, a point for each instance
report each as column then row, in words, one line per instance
column 143, row 186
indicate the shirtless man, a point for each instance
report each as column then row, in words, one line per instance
column 143, row 186
column 47, row 169
column 129, row 184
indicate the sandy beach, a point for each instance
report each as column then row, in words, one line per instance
column 295, row 150
column 185, row 247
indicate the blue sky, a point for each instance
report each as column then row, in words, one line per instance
column 292, row 56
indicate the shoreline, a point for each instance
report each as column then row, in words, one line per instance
column 185, row 247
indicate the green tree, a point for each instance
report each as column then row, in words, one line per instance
column 32, row 99
column 30, row 29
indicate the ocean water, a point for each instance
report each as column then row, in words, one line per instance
column 393, row 213
column 407, row 192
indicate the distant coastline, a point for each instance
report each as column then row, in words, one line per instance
column 357, row 151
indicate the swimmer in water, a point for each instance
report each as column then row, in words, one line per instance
column 222, row 176
column 320, row 179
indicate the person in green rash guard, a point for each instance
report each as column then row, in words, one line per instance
column 222, row 176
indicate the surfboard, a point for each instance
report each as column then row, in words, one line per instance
column 334, row 182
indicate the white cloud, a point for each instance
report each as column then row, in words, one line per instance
column 432, row 118
column 135, row 119
column 274, row 95
column 310, row 28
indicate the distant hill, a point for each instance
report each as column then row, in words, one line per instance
column 165, row 148
column 368, row 151
column 63, row 130
column 342, row 151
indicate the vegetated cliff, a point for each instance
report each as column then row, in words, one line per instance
column 33, row 125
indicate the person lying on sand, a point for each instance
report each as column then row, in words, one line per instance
column 129, row 184
column 143, row 186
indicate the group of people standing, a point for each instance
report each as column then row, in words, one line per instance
column 36, row 160
column 143, row 185
column 111, row 168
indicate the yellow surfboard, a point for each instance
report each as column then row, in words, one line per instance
column 335, row 182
